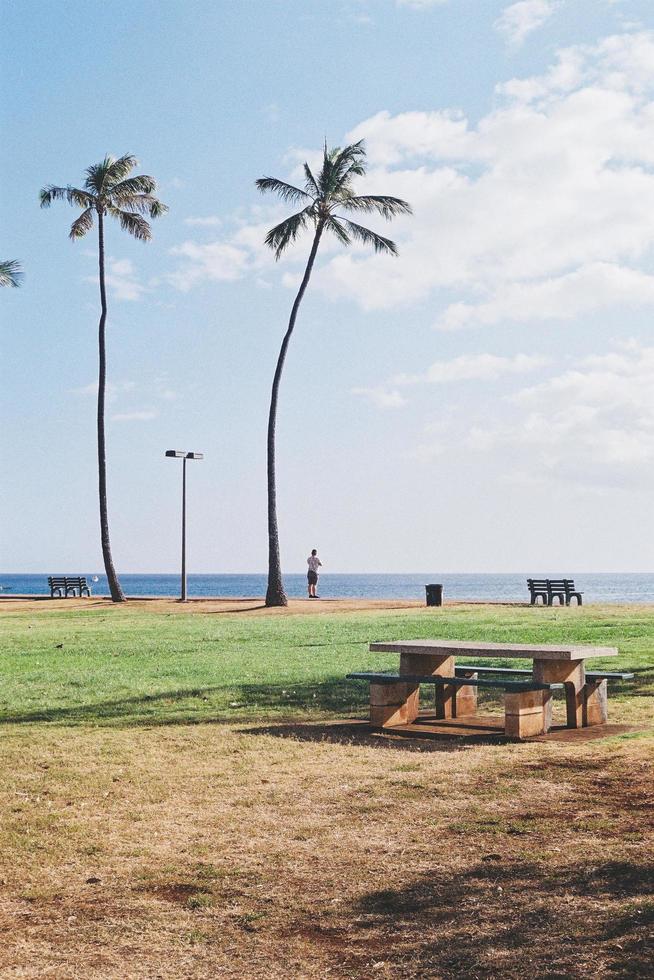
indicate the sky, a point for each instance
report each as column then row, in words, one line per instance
column 483, row 402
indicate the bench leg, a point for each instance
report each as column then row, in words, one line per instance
column 572, row 674
column 524, row 714
column 393, row 704
column 465, row 698
column 595, row 707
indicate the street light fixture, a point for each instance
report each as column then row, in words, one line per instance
column 180, row 454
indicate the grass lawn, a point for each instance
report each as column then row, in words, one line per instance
column 177, row 802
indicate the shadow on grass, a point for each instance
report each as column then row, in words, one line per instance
column 357, row 732
column 233, row 612
column 506, row 918
column 226, row 703
column 218, row 704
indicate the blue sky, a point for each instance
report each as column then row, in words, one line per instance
column 482, row 403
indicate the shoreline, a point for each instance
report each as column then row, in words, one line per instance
column 256, row 605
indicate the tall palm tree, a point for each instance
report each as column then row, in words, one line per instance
column 11, row 273
column 108, row 190
column 323, row 198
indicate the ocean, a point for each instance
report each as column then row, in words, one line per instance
column 597, row 587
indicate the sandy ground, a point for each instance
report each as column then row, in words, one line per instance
column 245, row 605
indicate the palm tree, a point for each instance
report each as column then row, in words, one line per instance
column 323, row 197
column 108, row 190
column 11, row 273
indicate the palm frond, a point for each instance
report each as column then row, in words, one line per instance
column 287, row 192
column 279, row 237
column 81, row 199
column 340, row 165
column 324, row 177
column 139, row 184
column 157, row 208
column 368, row 237
column 310, row 185
column 334, row 225
column 119, row 169
column 141, row 203
column 101, row 177
column 81, row 225
column 11, row 273
column 96, row 175
column 132, row 222
column 348, row 162
column 382, row 204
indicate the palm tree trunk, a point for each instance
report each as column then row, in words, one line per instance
column 117, row 594
column 275, row 595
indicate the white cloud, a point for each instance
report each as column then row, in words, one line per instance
column 539, row 210
column 272, row 112
column 210, row 221
column 381, row 397
column 556, row 181
column 592, row 426
column 596, row 286
column 518, row 20
column 112, row 389
column 420, row 4
column 214, row 262
column 143, row 416
column 121, row 280
column 158, row 387
column 474, row 367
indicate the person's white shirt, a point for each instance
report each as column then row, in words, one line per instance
column 314, row 563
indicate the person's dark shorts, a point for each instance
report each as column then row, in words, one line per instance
column 312, row 577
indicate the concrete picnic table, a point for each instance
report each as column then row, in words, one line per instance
column 528, row 709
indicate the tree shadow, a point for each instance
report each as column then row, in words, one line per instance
column 116, row 709
column 233, row 612
column 218, row 704
column 506, row 918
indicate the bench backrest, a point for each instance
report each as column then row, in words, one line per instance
column 537, row 584
column 56, row 580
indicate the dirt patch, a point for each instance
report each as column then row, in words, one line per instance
column 205, row 852
column 245, row 606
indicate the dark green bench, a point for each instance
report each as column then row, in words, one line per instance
column 438, row 680
column 65, row 585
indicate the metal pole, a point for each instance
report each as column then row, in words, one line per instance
column 183, row 596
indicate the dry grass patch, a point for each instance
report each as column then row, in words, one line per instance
column 212, row 851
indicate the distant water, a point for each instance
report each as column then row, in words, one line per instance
column 604, row 587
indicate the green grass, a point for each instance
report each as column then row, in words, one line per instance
column 128, row 666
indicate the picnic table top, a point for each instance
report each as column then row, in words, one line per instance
column 475, row 648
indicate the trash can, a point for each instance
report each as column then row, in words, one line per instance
column 434, row 595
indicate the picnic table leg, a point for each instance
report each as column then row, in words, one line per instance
column 524, row 714
column 595, row 709
column 413, row 663
column 393, row 704
column 570, row 673
column 465, row 699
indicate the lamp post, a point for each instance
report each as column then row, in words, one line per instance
column 180, row 454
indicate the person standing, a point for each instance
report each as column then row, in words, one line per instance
column 314, row 564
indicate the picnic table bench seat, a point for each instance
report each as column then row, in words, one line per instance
column 384, row 677
column 62, row 586
column 523, row 699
